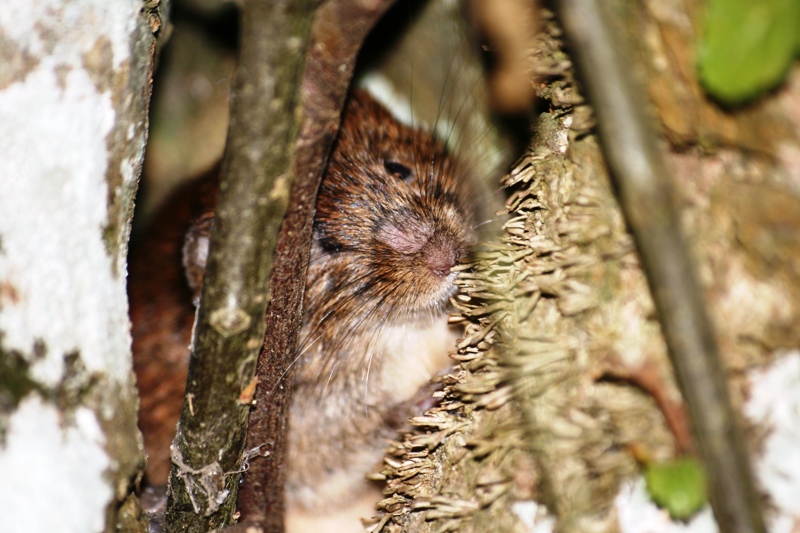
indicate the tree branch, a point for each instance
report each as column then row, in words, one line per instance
column 647, row 200
column 339, row 30
column 254, row 192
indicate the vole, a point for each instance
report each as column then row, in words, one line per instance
column 393, row 217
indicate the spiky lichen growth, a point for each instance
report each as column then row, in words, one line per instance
column 558, row 319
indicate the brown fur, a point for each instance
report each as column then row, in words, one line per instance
column 391, row 222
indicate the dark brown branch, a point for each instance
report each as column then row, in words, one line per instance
column 647, row 200
column 254, row 192
column 339, row 29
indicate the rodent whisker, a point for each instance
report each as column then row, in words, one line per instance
column 455, row 117
column 404, row 319
column 286, row 371
column 332, row 351
column 487, row 221
column 448, row 89
column 330, row 378
column 371, row 353
column 309, row 340
column 364, row 310
column 471, row 153
column 345, row 296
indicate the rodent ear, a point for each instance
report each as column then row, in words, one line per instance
column 397, row 170
column 195, row 253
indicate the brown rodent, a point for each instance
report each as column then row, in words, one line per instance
column 393, row 218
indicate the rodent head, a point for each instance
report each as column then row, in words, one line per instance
column 393, row 217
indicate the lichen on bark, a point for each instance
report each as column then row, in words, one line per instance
column 562, row 383
column 74, row 100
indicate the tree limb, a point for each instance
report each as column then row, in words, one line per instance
column 256, row 179
column 647, row 200
column 339, row 30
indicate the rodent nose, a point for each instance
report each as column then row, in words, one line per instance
column 440, row 256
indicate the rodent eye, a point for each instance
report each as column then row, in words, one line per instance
column 328, row 244
column 398, row 170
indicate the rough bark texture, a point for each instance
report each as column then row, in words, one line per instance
column 647, row 199
column 257, row 177
column 563, row 383
column 74, row 95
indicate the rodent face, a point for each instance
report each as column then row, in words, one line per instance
column 392, row 217
column 392, row 220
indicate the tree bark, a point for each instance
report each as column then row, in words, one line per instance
column 257, row 177
column 647, row 199
column 339, row 29
column 563, row 393
column 74, row 96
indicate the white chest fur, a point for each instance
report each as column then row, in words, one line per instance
column 411, row 354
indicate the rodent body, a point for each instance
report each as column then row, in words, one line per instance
column 392, row 220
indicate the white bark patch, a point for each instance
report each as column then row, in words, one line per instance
column 52, row 472
column 775, row 404
column 53, row 195
column 62, row 31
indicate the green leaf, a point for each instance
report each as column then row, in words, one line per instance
column 748, row 46
column 678, row 486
